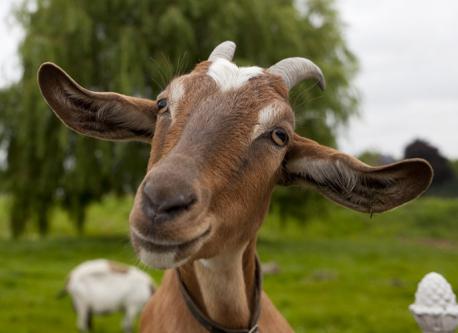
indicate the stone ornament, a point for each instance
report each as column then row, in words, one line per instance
column 435, row 308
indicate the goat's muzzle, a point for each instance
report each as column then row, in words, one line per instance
column 164, row 199
column 170, row 220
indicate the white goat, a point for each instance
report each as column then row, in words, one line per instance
column 103, row 286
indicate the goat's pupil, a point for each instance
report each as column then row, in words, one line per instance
column 162, row 103
column 280, row 137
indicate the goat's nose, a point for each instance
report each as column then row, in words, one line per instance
column 161, row 203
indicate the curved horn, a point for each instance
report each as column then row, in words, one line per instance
column 294, row 70
column 224, row 50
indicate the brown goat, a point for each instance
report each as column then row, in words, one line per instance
column 221, row 138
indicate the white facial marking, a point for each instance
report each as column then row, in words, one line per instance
column 159, row 260
column 228, row 76
column 175, row 95
column 176, row 91
column 267, row 117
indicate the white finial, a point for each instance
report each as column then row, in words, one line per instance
column 435, row 308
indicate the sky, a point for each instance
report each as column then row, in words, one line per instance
column 408, row 53
column 10, row 36
column 408, row 79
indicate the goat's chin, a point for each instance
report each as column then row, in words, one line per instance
column 162, row 256
column 160, row 260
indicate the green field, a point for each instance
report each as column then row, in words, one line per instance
column 343, row 272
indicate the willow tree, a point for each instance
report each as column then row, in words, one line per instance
column 133, row 47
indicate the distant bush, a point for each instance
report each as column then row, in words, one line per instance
column 443, row 171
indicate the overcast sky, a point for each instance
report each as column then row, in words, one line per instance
column 408, row 51
column 10, row 35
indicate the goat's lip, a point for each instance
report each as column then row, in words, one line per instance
column 166, row 246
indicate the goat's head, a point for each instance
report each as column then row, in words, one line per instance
column 221, row 138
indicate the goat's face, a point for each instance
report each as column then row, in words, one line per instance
column 223, row 137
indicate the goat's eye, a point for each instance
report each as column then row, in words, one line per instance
column 279, row 137
column 162, row 103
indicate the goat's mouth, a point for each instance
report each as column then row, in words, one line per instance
column 166, row 254
column 172, row 242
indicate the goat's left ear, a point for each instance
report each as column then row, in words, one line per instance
column 103, row 115
column 352, row 183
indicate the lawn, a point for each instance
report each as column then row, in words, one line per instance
column 342, row 272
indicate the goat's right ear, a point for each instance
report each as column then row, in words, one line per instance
column 102, row 115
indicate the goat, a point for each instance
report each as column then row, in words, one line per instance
column 221, row 138
column 101, row 286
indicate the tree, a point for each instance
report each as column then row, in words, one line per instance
column 133, row 47
column 375, row 158
column 443, row 170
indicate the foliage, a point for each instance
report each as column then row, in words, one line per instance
column 443, row 171
column 342, row 273
column 293, row 204
column 455, row 166
column 133, row 47
column 375, row 158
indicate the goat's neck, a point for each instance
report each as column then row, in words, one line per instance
column 223, row 286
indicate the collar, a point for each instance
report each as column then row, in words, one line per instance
column 212, row 326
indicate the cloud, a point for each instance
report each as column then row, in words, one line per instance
column 10, row 35
column 409, row 73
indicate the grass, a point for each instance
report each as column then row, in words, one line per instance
column 343, row 272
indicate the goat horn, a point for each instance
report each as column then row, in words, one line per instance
column 224, row 50
column 294, row 70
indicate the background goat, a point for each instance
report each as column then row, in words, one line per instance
column 102, row 286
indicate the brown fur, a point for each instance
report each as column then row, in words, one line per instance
column 203, row 145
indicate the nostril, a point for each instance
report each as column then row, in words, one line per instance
column 161, row 203
column 177, row 204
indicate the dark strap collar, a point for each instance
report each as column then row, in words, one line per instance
column 213, row 327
